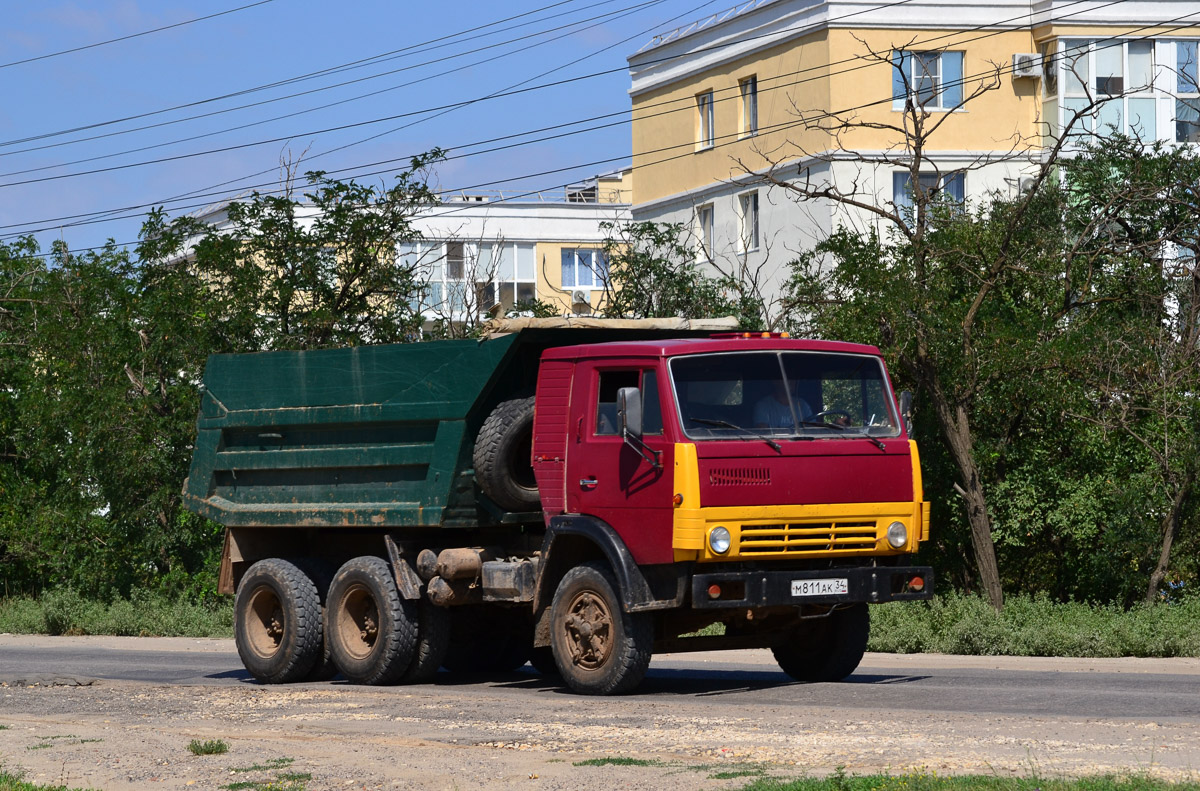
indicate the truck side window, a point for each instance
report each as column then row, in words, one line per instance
column 606, row 407
column 651, row 404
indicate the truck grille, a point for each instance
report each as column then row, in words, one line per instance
column 804, row 538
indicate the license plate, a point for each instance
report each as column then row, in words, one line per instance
column 828, row 587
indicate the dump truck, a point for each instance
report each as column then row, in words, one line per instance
column 575, row 495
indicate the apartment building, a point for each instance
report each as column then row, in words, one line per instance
column 822, row 92
column 486, row 253
column 482, row 254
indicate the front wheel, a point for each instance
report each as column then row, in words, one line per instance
column 372, row 632
column 826, row 649
column 599, row 648
column 277, row 622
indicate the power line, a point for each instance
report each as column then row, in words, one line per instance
column 464, row 103
column 687, row 145
column 132, row 35
column 729, row 139
column 423, row 46
column 509, row 137
column 333, row 70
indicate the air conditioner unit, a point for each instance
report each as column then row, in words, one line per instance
column 579, row 298
column 1027, row 64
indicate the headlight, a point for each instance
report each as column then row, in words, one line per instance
column 897, row 534
column 718, row 540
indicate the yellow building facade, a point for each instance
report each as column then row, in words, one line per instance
column 823, row 92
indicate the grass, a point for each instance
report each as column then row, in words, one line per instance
column 14, row 782
column 618, row 761
column 209, row 747
column 67, row 739
column 282, row 781
column 65, row 611
column 920, row 781
column 274, row 763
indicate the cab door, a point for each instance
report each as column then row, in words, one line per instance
column 606, row 477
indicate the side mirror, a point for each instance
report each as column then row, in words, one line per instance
column 906, row 409
column 629, row 412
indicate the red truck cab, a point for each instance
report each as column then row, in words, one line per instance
column 769, row 479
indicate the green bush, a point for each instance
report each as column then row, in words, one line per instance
column 65, row 611
column 955, row 623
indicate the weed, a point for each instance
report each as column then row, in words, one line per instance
column 16, row 782
column 920, row 781
column 274, row 763
column 283, row 781
column 209, row 747
column 618, row 761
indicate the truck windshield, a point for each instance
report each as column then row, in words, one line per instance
column 810, row 395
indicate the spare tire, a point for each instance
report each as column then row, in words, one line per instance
column 504, row 456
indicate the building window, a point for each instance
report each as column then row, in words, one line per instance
column 749, row 91
column 704, row 231
column 584, row 269
column 704, row 120
column 929, row 80
column 943, row 186
column 1118, row 77
column 508, row 275
column 748, row 219
column 1187, row 93
column 455, row 260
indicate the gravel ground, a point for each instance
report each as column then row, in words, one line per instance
column 522, row 732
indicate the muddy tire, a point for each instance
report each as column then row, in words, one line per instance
column 433, row 640
column 826, row 649
column 372, row 632
column 599, row 648
column 320, row 573
column 277, row 622
column 503, row 456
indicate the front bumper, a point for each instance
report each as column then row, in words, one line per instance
column 872, row 584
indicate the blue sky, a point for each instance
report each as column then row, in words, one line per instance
column 280, row 40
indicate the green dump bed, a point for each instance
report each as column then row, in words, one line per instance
column 371, row 436
column 365, row 436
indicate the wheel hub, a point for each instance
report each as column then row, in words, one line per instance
column 589, row 631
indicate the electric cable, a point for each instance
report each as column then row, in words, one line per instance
column 132, row 35
column 690, row 144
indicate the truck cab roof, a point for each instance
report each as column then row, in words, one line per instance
column 724, row 342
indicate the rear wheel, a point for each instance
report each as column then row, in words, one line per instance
column 372, row 632
column 826, row 649
column 277, row 622
column 599, row 648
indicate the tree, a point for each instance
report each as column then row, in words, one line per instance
column 311, row 272
column 1135, row 214
column 101, row 355
column 971, row 302
column 653, row 273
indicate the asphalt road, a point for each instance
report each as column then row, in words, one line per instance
column 1149, row 689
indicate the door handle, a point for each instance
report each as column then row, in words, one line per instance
column 587, row 483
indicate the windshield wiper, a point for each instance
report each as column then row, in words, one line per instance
column 874, row 440
column 726, row 424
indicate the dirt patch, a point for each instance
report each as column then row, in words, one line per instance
column 524, row 734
